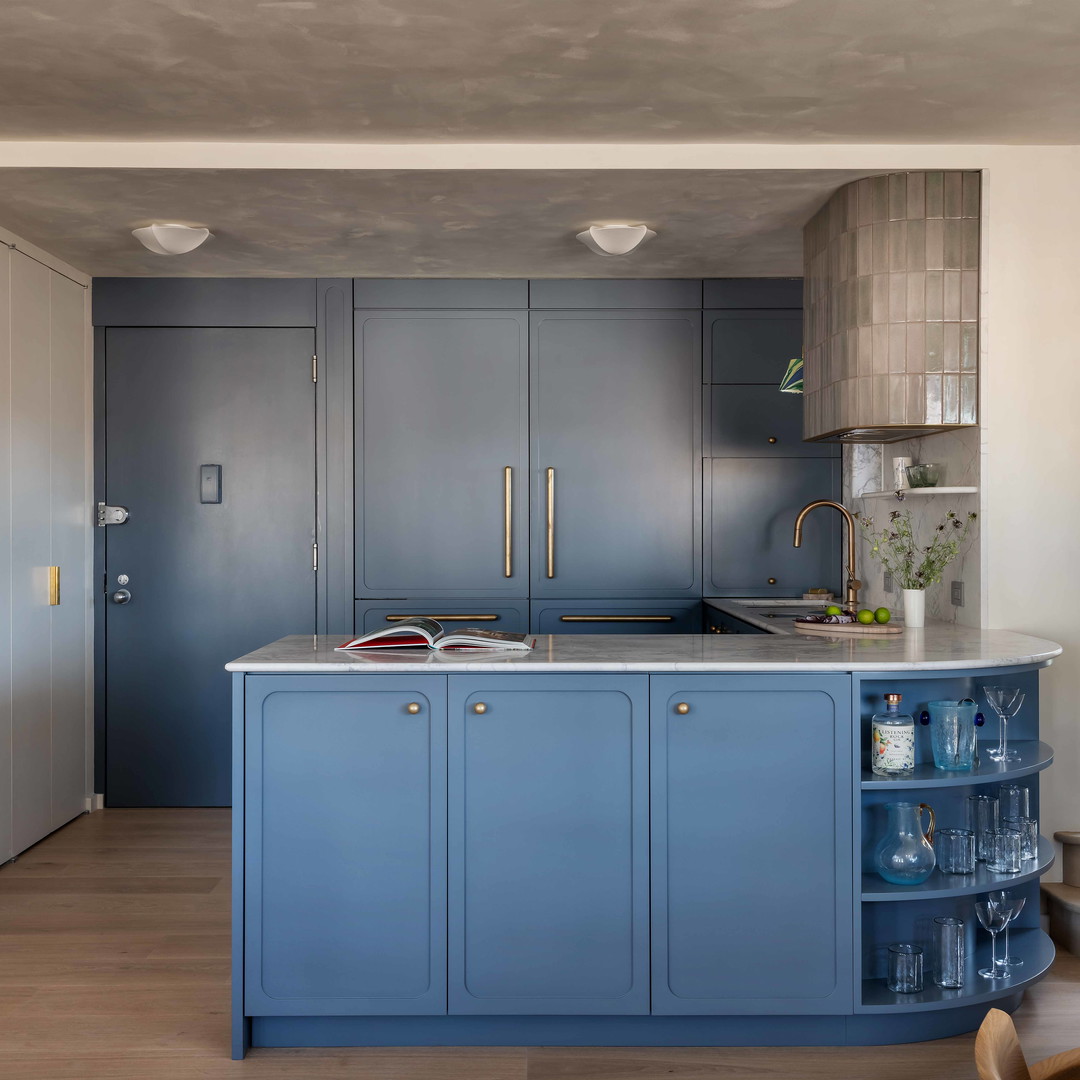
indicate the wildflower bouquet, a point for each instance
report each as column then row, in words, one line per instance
column 913, row 565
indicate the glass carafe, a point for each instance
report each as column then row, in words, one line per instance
column 905, row 854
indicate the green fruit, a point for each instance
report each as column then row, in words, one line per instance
column 865, row 616
column 832, row 609
column 882, row 615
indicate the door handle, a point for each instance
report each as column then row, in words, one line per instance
column 121, row 596
column 508, row 522
column 551, row 523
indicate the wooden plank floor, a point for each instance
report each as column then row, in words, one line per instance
column 114, row 941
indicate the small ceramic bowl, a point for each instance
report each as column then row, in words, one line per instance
column 922, row 476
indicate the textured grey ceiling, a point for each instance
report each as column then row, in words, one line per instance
column 419, row 224
column 543, row 70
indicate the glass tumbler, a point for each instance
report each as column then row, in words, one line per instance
column 905, row 969
column 1004, row 852
column 1014, row 801
column 955, row 851
column 982, row 820
column 1028, row 828
column 949, row 952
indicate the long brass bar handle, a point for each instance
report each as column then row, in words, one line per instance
column 616, row 618
column 54, row 586
column 444, row 618
column 551, row 523
column 508, row 522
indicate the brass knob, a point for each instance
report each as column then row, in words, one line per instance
column 479, row 708
column 413, row 707
column 772, row 581
column 772, row 439
column 682, row 708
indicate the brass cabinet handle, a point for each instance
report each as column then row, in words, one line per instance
column 479, row 708
column 444, row 618
column 508, row 522
column 682, row 708
column 551, row 523
column 772, row 581
column 616, row 618
column 54, row 586
column 412, row 708
column 772, row 440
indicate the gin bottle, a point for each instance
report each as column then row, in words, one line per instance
column 892, row 735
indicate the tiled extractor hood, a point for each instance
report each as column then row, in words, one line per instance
column 891, row 308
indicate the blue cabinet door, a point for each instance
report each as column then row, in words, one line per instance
column 615, row 411
column 676, row 616
column 759, row 421
column 492, row 614
column 751, row 844
column 345, row 845
column 548, row 796
column 441, row 453
column 752, row 345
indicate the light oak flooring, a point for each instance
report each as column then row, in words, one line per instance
column 114, row 943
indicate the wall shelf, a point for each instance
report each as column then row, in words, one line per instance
column 938, row 885
column 1032, row 946
column 1034, row 757
column 919, row 491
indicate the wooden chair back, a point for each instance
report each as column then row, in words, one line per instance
column 997, row 1049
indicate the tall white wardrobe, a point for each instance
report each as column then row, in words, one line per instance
column 44, row 525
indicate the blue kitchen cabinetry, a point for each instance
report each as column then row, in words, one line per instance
column 548, row 844
column 752, row 344
column 615, row 408
column 751, row 894
column 344, row 795
column 759, row 421
column 441, row 444
column 486, row 612
column 674, row 616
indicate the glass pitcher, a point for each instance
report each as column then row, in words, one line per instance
column 905, row 854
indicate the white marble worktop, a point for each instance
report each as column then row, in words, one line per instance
column 939, row 647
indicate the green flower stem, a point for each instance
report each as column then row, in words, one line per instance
column 912, row 565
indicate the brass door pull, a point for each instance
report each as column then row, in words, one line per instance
column 479, row 708
column 444, row 618
column 54, row 586
column 772, row 440
column 682, row 708
column 616, row 618
column 551, row 523
column 772, row 581
column 508, row 522
column 412, row 708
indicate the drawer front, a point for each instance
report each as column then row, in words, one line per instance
column 607, row 617
column 509, row 615
column 759, row 421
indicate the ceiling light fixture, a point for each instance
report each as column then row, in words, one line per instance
column 170, row 239
column 615, row 239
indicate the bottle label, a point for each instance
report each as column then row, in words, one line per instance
column 893, row 748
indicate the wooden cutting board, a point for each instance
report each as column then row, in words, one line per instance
column 874, row 630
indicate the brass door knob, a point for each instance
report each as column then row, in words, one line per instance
column 479, row 708
column 413, row 707
column 772, row 581
column 682, row 708
column 772, row 439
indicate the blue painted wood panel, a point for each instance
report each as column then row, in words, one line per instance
column 608, row 293
column 615, row 411
column 345, row 858
column 510, row 615
column 548, row 796
column 441, row 411
column 676, row 616
column 751, row 844
column 752, row 293
column 752, row 346
column 759, row 421
column 441, row 292
column 751, row 504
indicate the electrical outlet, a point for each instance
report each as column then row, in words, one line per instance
column 958, row 593
column 888, row 582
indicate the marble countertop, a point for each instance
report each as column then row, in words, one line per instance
column 940, row 647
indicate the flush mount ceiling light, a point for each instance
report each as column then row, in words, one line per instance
column 170, row 239
column 615, row 239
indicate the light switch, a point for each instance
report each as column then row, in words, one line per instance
column 210, row 483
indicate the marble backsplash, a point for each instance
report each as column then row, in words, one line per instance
column 869, row 467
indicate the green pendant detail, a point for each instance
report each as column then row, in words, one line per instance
column 791, row 383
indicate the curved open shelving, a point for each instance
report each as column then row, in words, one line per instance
column 938, row 885
column 1034, row 757
column 1032, row 945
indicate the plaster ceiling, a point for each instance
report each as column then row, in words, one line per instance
column 542, row 70
column 465, row 223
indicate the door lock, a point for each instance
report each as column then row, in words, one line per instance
column 121, row 596
column 111, row 515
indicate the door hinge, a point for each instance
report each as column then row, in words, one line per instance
column 315, row 557
column 314, row 368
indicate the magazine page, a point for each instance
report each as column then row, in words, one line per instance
column 470, row 637
column 404, row 634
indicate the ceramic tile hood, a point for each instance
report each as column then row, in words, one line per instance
column 891, row 308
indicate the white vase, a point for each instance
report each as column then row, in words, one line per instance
column 914, row 607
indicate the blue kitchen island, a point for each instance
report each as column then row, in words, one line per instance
column 609, row 841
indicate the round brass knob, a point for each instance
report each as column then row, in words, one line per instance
column 772, row 439
column 772, row 581
column 413, row 707
column 479, row 708
column 682, row 708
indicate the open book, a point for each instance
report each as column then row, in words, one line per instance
column 420, row 631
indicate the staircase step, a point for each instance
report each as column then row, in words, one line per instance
column 1063, row 904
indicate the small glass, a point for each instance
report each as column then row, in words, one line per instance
column 1014, row 801
column 949, row 953
column 955, row 851
column 982, row 820
column 1028, row 829
column 905, row 969
column 1004, row 852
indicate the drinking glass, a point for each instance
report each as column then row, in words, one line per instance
column 905, row 969
column 1028, row 828
column 1014, row 801
column 1004, row 855
column 993, row 918
column 1006, row 702
column 949, row 952
column 955, row 851
column 982, row 821
column 1007, row 899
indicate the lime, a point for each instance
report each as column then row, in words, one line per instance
column 882, row 615
column 832, row 609
column 865, row 616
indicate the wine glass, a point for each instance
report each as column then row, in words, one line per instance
column 1005, row 898
column 993, row 918
column 1006, row 702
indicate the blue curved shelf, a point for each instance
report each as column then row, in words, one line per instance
column 1034, row 757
